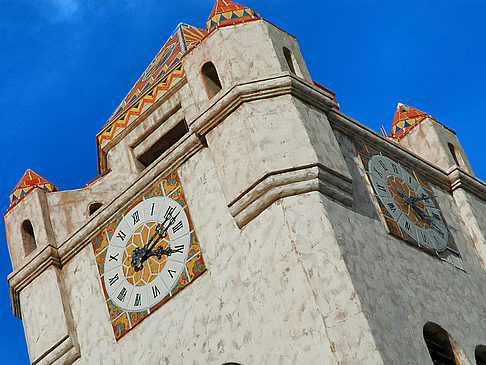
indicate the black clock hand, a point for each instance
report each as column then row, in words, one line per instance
column 139, row 252
column 147, row 251
column 411, row 201
column 162, row 234
column 414, row 199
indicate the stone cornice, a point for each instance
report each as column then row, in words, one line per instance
column 281, row 184
column 354, row 129
column 282, row 84
column 20, row 278
column 460, row 179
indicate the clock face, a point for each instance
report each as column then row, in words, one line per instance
column 138, row 287
column 408, row 203
column 147, row 254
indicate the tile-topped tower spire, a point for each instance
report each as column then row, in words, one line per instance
column 405, row 119
column 227, row 12
column 29, row 181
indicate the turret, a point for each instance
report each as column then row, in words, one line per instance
column 430, row 139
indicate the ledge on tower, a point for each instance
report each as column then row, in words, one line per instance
column 227, row 12
column 29, row 181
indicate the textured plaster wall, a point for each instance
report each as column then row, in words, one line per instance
column 254, row 305
column 430, row 140
column 45, row 319
column 401, row 287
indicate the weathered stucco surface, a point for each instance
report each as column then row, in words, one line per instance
column 402, row 287
column 309, row 275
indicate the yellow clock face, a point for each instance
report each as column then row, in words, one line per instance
column 147, row 254
column 139, row 282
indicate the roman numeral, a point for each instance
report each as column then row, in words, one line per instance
column 123, row 293
column 171, row 273
column 114, row 279
column 439, row 231
column 409, row 179
column 378, row 172
column 383, row 165
column 155, row 291
column 136, row 217
column 177, row 227
column 407, row 226
column 424, row 237
column 138, row 300
column 395, row 168
column 179, row 248
column 168, row 213
column 380, row 187
column 121, row 235
column 436, row 216
column 392, row 207
column 152, row 210
column 114, row 258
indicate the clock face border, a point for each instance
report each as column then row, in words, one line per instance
column 366, row 153
column 123, row 320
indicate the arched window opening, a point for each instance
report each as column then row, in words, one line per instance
column 439, row 345
column 28, row 237
column 480, row 355
column 94, row 207
column 452, row 148
column 211, row 79
column 289, row 59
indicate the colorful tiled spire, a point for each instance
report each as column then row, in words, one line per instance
column 29, row 181
column 405, row 119
column 227, row 12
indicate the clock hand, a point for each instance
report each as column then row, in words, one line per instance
column 414, row 199
column 411, row 201
column 139, row 252
column 420, row 213
column 162, row 234
column 139, row 256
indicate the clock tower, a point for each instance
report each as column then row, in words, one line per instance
column 241, row 217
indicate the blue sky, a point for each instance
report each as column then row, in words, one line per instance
column 65, row 66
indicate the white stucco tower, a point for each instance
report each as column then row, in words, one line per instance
column 240, row 217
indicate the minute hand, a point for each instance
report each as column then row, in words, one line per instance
column 414, row 199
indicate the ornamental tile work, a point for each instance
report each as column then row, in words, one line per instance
column 227, row 12
column 30, row 180
column 405, row 119
column 161, row 75
column 451, row 254
column 123, row 320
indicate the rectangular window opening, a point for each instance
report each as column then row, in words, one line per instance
column 164, row 143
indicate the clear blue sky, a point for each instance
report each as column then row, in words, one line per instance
column 65, row 66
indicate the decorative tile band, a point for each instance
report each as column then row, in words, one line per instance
column 115, row 127
column 227, row 12
column 159, row 77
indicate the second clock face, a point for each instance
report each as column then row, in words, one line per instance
column 157, row 227
column 408, row 203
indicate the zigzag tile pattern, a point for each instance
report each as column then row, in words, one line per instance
column 405, row 119
column 226, row 12
column 118, row 125
column 29, row 181
column 157, row 78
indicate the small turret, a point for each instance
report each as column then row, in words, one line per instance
column 27, row 220
column 430, row 139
